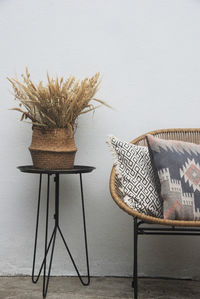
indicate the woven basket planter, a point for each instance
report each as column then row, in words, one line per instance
column 53, row 148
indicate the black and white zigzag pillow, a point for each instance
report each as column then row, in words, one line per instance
column 134, row 170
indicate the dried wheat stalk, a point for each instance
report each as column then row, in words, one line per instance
column 59, row 103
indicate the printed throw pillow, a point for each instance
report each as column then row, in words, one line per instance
column 135, row 173
column 177, row 165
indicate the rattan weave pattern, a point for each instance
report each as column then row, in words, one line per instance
column 53, row 148
column 52, row 160
column 189, row 135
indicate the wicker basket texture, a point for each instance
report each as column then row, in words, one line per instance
column 53, row 148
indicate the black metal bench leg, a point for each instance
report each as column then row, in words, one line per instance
column 135, row 266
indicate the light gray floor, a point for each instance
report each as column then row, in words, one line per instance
column 101, row 287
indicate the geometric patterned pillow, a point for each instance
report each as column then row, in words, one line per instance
column 137, row 180
column 178, row 168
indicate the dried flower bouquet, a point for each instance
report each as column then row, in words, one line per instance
column 59, row 103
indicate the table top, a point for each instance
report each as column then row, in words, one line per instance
column 75, row 170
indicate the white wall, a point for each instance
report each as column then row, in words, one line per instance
column 149, row 55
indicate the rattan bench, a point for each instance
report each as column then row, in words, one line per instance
column 177, row 227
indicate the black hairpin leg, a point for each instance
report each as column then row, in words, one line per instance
column 51, row 242
column 47, row 245
column 135, row 266
column 85, row 237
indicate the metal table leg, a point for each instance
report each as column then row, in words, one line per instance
column 51, row 243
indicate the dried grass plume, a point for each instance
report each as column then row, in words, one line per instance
column 58, row 103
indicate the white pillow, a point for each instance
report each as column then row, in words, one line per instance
column 135, row 172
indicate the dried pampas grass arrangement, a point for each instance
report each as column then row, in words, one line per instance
column 59, row 103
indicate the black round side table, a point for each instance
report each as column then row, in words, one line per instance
column 76, row 170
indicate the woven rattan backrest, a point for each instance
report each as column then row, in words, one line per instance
column 188, row 135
